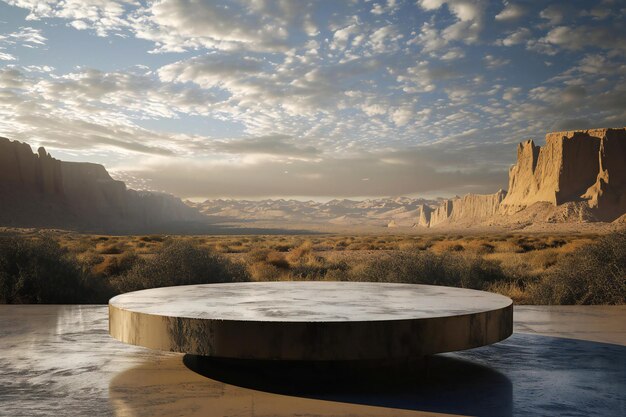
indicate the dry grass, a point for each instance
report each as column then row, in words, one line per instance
column 521, row 266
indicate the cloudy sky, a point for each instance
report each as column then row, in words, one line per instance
column 307, row 98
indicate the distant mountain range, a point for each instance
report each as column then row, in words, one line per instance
column 577, row 177
column 402, row 211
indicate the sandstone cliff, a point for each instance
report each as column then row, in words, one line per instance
column 576, row 166
column 470, row 208
column 577, row 176
column 37, row 190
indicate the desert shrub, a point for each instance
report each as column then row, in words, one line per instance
column 261, row 271
column 257, row 254
column 308, row 272
column 282, row 247
column 592, row 274
column 508, row 246
column 113, row 249
column 425, row 267
column 90, row 258
column 511, row 289
column 485, row 247
column 454, row 247
column 543, row 259
column 406, row 245
column 554, row 242
column 39, row 271
column 222, row 248
column 301, row 253
column 319, row 269
column 278, row 260
column 341, row 274
column 180, row 262
column 424, row 245
column 120, row 264
column 152, row 238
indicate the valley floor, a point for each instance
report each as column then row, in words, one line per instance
column 531, row 268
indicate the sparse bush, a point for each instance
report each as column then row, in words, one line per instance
column 308, row 272
column 278, row 260
column 180, row 262
column 282, row 247
column 152, row 238
column 456, row 247
column 511, row 289
column 120, row 264
column 39, row 271
column 301, row 253
column 258, row 254
column 90, row 258
column 423, row 267
column 530, row 268
column 113, row 249
column 486, row 248
column 593, row 274
column 261, row 271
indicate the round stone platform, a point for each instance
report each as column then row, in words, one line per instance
column 310, row 320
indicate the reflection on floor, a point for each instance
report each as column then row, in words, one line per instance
column 59, row 360
column 524, row 375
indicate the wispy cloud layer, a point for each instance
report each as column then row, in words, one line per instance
column 243, row 98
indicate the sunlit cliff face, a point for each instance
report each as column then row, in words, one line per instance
column 307, row 98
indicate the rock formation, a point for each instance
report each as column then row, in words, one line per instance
column 470, row 208
column 576, row 166
column 37, row 190
column 576, row 176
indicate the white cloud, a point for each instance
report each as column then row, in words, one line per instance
column 579, row 37
column 25, row 36
column 510, row 93
column 493, row 62
column 177, row 25
column 384, row 39
column 430, row 38
column 452, row 54
column 212, row 69
column 555, row 14
column 6, row 57
column 372, row 109
column 390, row 7
column 469, row 14
column 516, row 37
column 423, row 76
column 511, row 11
column 79, row 24
column 342, row 36
column 601, row 65
column 402, row 116
column 103, row 16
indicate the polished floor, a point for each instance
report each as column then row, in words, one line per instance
column 562, row 360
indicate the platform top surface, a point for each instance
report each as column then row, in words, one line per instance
column 309, row 301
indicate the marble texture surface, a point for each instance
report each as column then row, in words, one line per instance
column 305, row 301
column 310, row 320
column 59, row 360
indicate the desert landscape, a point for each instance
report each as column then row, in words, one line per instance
column 566, row 202
column 530, row 268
